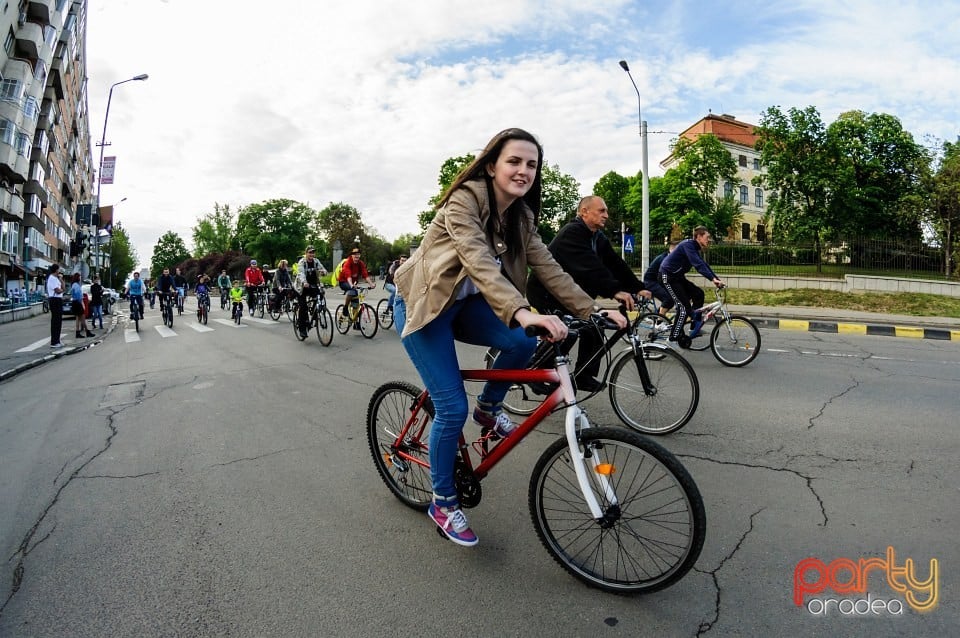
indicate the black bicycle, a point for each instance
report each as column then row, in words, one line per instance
column 318, row 318
column 224, row 298
column 281, row 304
column 653, row 389
column 136, row 311
column 167, row 302
column 203, row 307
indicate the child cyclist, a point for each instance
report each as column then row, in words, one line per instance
column 203, row 293
column 236, row 298
column 467, row 282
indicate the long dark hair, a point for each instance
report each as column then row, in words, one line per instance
column 513, row 217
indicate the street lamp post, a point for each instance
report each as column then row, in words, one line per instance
column 645, row 178
column 26, row 265
column 103, row 142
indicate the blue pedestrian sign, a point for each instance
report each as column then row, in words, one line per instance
column 628, row 243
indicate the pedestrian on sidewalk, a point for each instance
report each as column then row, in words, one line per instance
column 55, row 301
column 76, row 306
column 96, row 303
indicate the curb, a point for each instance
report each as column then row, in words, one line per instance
column 66, row 351
column 841, row 327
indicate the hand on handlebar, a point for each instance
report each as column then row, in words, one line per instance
column 615, row 317
column 553, row 325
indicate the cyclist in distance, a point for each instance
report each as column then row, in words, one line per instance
column 236, row 297
column 180, row 282
column 135, row 290
column 687, row 296
column 351, row 273
column 583, row 250
column 388, row 284
column 202, row 291
column 651, row 280
column 467, row 282
column 223, row 282
column 165, row 286
column 252, row 278
column 282, row 284
column 309, row 271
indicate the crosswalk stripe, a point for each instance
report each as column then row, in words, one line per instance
column 269, row 322
column 229, row 322
column 200, row 327
column 33, row 346
column 165, row 331
column 130, row 335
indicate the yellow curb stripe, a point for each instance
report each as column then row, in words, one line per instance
column 912, row 333
column 794, row 324
column 851, row 328
column 955, row 335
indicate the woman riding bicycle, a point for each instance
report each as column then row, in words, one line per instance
column 467, row 282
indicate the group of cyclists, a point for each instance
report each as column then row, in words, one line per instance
column 301, row 282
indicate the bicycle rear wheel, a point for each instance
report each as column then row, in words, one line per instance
column 521, row 399
column 385, row 314
column 367, row 318
column 387, row 414
column 324, row 323
column 736, row 342
column 275, row 309
column 676, row 390
column 648, row 538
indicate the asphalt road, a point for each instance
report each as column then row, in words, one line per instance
column 218, row 483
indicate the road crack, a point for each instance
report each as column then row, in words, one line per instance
column 823, row 408
column 706, row 626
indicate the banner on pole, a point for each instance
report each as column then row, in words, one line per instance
column 106, row 218
column 109, row 164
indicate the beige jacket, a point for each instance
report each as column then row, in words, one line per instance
column 456, row 246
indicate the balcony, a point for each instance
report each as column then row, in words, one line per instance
column 13, row 164
column 29, row 41
column 11, row 206
column 41, row 11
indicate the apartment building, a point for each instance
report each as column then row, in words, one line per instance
column 46, row 167
column 739, row 138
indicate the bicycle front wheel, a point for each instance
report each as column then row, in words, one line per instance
column 342, row 322
column 673, row 395
column 385, row 314
column 324, row 323
column 653, row 523
column 367, row 318
column 735, row 342
column 652, row 326
column 387, row 414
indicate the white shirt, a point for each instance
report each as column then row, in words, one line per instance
column 53, row 282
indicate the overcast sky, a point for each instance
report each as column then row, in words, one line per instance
column 361, row 102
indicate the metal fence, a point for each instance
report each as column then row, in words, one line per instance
column 836, row 259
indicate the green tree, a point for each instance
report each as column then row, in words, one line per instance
column 275, row 229
column 942, row 210
column 123, row 256
column 561, row 193
column 614, row 188
column 800, row 164
column 214, row 232
column 449, row 171
column 341, row 222
column 169, row 251
column 878, row 173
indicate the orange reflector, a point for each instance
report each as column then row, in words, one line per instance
column 606, row 469
column 388, row 460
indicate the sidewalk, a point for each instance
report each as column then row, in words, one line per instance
column 851, row 322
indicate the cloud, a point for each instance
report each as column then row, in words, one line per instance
column 362, row 102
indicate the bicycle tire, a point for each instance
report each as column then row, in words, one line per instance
column 740, row 349
column 206, row 315
column 385, row 314
column 276, row 310
column 136, row 324
column 702, row 341
column 342, row 323
column 223, row 302
column 387, row 413
column 676, row 384
column 324, row 323
column 367, row 319
column 649, row 540
column 261, row 306
column 296, row 329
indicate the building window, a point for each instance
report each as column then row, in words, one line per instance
column 7, row 129
column 744, row 196
column 30, row 108
column 728, row 189
column 10, row 90
column 745, row 231
column 8, row 43
column 758, row 197
column 761, row 233
column 22, row 144
column 743, row 160
column 756, row 163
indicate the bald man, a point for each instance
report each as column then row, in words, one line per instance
column 585, row 253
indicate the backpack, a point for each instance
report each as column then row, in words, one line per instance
column 336, row 272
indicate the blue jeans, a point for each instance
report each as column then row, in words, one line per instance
column 434, row 355
column 393, row 293
column 96, row 312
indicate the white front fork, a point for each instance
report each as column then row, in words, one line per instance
column 574, row 416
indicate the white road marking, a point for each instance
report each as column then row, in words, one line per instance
column 130, row 335
column 33, row 346
column 165, row 331
column 200, row 327
column 269, row 322
column 229, row 322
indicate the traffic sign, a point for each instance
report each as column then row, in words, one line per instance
column 628, row 243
